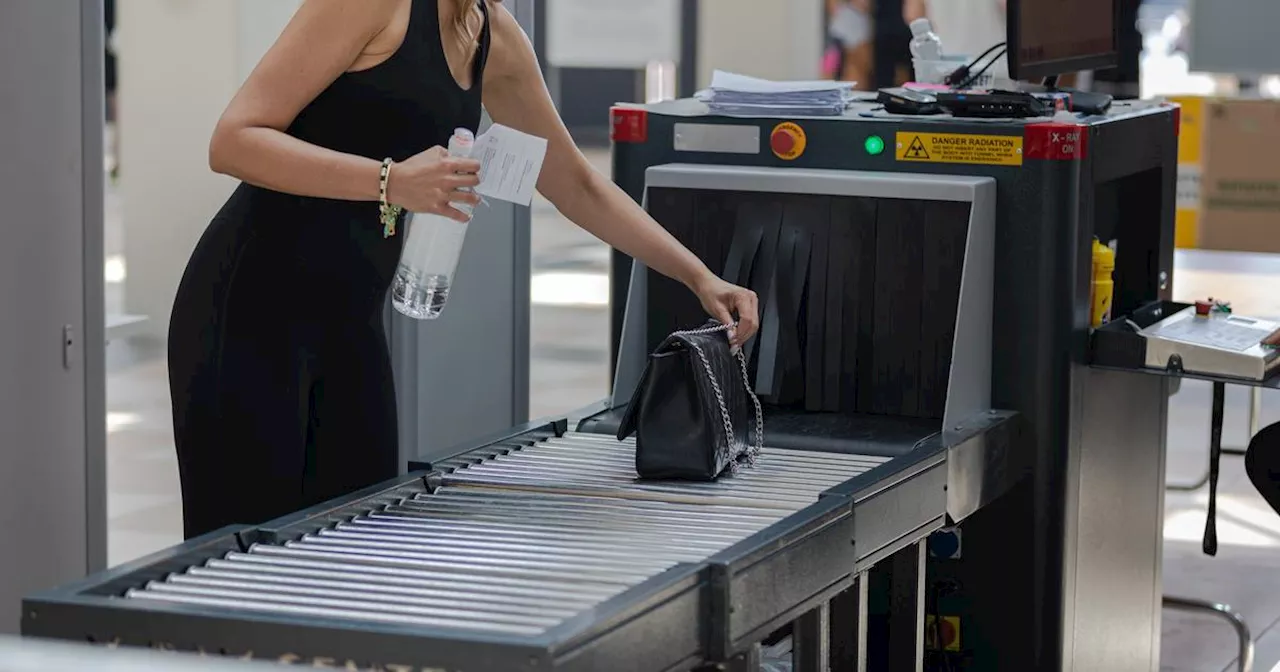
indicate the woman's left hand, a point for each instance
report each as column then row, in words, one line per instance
column 725, row 302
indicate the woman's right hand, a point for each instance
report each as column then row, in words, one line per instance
column 429, row 182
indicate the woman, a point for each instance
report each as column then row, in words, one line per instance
column 279, row 370
column 849, row 34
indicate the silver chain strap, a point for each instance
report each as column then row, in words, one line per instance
column 753, row 451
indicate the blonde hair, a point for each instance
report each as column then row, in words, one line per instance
column 463, row 13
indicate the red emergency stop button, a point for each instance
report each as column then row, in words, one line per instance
column 788, row 141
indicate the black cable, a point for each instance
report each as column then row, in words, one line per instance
column 960, row 73
column 981, row 71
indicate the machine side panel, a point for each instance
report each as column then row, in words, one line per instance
column 1115, row 513
column 814, row 548
column 619, row 635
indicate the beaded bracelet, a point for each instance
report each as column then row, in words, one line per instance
column 389, row 214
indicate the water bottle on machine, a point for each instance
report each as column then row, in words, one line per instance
column 925, row 44
column 430, row 256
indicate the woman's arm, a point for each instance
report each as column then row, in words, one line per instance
column 516, row 95
column 323, row 40
column 913, row 9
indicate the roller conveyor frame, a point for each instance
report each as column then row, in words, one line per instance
column 715, row 609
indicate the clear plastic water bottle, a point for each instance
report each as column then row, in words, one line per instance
column 925, row 44
column 430, row 256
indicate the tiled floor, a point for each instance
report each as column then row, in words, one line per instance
column 568, row 369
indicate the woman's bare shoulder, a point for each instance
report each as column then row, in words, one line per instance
column 371, row 16
column 510, row 51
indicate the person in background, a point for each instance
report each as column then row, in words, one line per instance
column 1262, row 458
column 892, row 50
column 1262, row 463
column 848, row 57
column 970, row 27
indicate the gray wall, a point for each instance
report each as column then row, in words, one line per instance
column 52, row 408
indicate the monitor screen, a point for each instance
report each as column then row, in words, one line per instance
column 1056, row 37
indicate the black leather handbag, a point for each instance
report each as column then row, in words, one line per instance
column 691, row 411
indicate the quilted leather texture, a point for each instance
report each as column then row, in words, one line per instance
column 675, row 415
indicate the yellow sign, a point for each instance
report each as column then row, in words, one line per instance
column 987, row 150
column 1190, row 143
column 788, row 141
column 950, row 632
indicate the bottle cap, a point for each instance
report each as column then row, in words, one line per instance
column 463, row 135
column 921, row 26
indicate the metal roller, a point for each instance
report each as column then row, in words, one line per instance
column 326, row 612
column 521, row 531
column 603, row 576
column 674, row 552
column 772, row 457
column 443, row 547
column 498, row 495
column 580, row 540
column 293, row 562
column 403, row 517
column 466, row 594
column 817, row 456
column 585, row 566
column 443, row 607
column 587, row 515
column 778, row 497
column 575, row 459
column 625, row 454
column 482, row 500
column 622, row 523
column 459, row 618
column 619, row 472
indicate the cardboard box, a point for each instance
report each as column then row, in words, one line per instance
column 1240, row 179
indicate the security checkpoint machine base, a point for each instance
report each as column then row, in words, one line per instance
column 1063, row 573
column 906, row 305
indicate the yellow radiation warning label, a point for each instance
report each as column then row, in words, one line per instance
column 987, row 150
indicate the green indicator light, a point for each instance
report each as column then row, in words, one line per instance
column 874, row 145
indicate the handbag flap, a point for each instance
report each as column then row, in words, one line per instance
column 631, row 417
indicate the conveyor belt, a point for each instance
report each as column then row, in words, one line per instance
column 514, row 541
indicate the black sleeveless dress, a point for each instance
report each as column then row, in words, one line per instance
column 279, row 369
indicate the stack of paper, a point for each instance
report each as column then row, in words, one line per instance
column 739, row 95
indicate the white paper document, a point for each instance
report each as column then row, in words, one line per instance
column 510, row 162
column 729, row 81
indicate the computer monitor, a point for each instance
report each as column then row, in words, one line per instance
column 1056, row 37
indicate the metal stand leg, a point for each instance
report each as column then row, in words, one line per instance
column 810, row 646
column 1244, row 663
column 848, row 638
column 906, row 609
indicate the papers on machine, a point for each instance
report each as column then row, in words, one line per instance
column 740, row 95
column 510, row 162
